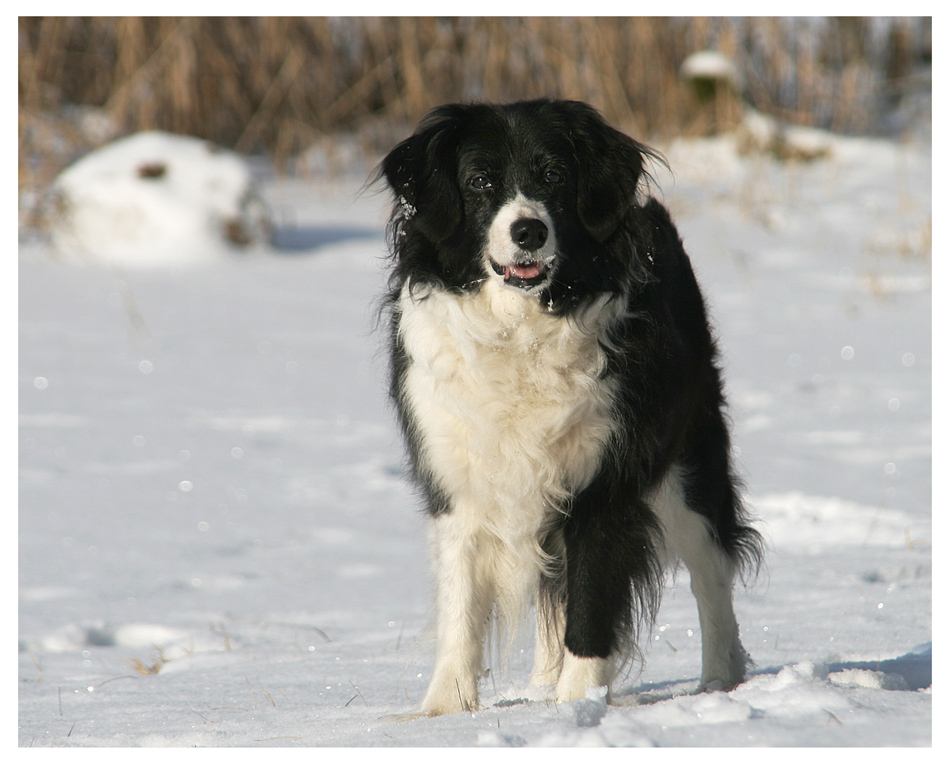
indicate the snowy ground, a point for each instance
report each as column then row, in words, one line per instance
column 217, row 546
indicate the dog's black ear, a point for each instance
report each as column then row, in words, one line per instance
column 611, row 166
column 422, row 173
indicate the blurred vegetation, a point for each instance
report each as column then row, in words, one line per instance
column 281, row 85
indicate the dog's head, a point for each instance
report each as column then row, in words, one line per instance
column 531, row 193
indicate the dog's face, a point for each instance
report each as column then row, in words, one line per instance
column 529, row 194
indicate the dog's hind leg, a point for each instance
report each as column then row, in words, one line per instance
column 550, row 603
column 688, row 536
column 549, row 640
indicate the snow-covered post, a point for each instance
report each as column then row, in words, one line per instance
column 715, row 86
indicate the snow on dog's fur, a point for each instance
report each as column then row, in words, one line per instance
column 557, row 383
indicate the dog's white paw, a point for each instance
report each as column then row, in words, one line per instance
column 580, row 673
column 446, row 697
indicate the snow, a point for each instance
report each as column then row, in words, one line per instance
column 153, row 199
column 218, row 547
column 711, row 65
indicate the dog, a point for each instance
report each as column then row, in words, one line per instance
column 558, row 387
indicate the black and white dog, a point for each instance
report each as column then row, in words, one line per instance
column 557, row 383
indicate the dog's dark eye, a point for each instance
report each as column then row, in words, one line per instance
column 481, row 182
column 552, row 176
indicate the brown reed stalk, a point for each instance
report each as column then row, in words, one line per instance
column 279, row 84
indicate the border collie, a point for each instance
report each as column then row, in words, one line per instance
column 557, row 384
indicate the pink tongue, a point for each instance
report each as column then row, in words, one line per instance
column 524, row 271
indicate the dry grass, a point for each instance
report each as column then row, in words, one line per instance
column 144, row 668
column 280, row 84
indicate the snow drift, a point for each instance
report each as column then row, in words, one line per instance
column 155, row 199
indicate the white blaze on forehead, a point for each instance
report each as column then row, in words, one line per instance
column 502, row 249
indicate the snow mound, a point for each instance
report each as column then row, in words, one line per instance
column 133, row 635
column 154, row 199
column 799, row 522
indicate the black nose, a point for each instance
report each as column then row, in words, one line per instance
column 529, row 234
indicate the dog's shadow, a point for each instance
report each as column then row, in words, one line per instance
column 911, row 672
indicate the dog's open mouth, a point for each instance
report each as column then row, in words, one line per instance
column 528, row 274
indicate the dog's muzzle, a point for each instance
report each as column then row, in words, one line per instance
column 529, row 236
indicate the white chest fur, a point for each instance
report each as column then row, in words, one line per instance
column 510, row 400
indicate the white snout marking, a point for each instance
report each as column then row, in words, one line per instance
column 503, row 250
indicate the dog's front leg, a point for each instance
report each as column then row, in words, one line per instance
column 596, row 600
column 612, row 575
column 462, row 606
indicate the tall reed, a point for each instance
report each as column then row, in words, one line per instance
column 280, row 84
